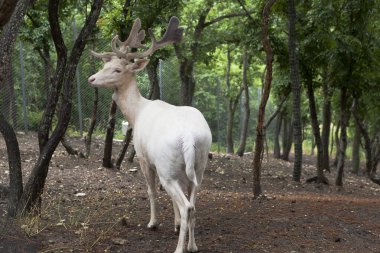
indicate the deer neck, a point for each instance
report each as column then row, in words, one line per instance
column 129, row 100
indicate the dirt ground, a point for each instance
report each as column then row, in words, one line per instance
column 87, row 208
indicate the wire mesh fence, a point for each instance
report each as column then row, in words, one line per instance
column 24, row 93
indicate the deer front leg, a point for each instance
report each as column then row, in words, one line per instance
column 151, row 183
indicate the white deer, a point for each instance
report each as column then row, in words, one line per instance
column 170, row 141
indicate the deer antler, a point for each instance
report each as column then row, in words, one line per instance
column 172, row 35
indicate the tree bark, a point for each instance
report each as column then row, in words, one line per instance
column 336, row 136
column 343, row 137
column 296, row 90
column 8, row 106
column 370, row 147
column 276, row 140
column 14, row 162
column 6, row 9
column 17, row 10
column 246, row 109
column 356, row 150
column 153, row 78
column 7, row 42
column 69, row 148
column 260, row 130
column 315, row 127
column 107, row 154
column 287, row 136
column 88, row 137
column 126, row 141
column 326, row 122
column 232, row 105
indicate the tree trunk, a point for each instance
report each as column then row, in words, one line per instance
column 232, row 106
column 343, row 137
column 312, row 151
column 88, row 137
column 8, row 107
column 14, row 162
column 336, row 136
column 287, row 136
column 376, row 157
column 260, row 130
column 31, row 196
column 107, row 154
column 186, row 63
column 69, row 148
column 57, row 81
column 246, row 109
column 326, row 122
column 356, row 150
column 6, row 9
column 277, row 131
column 15, row 12
column 296, row 90
column 230, row 111
column 187, row 82
column 368, row 144
column 153, row 78
column 315, row 126
column 126, row 141
column 229, row 127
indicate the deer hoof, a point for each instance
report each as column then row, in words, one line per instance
column 177, row 229
column 152, row 225
column 192, row 248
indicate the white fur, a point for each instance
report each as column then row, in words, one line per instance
column 170, row 141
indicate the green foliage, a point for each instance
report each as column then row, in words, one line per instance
column 331, row 36
column 34, row 120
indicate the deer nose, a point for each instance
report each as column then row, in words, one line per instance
column 91, row 79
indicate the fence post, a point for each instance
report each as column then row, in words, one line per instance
column 24, row 98
column 160, row 83
column 78, row 86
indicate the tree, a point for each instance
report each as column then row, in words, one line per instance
column 315, row 127
column 356, row 149
column 233, row 100
column 193, row 48
column 260, row 130
column 245, row 106
column 326, row 122
column 296, row 90
column 6, row 9
column 276, row 140
column 31, row 195
column 7, row 42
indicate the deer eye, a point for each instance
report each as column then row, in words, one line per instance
column 117, row 70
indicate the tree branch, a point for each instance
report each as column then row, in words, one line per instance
column 232, row 15
column 246, row 11
column 271, row 118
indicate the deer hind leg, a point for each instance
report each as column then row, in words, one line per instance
column 152, row 193
column 177, row 218
column 192, row 247
column 185, row 208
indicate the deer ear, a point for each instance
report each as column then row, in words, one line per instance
column 139, row 65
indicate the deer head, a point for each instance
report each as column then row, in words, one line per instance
column 121, row 64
